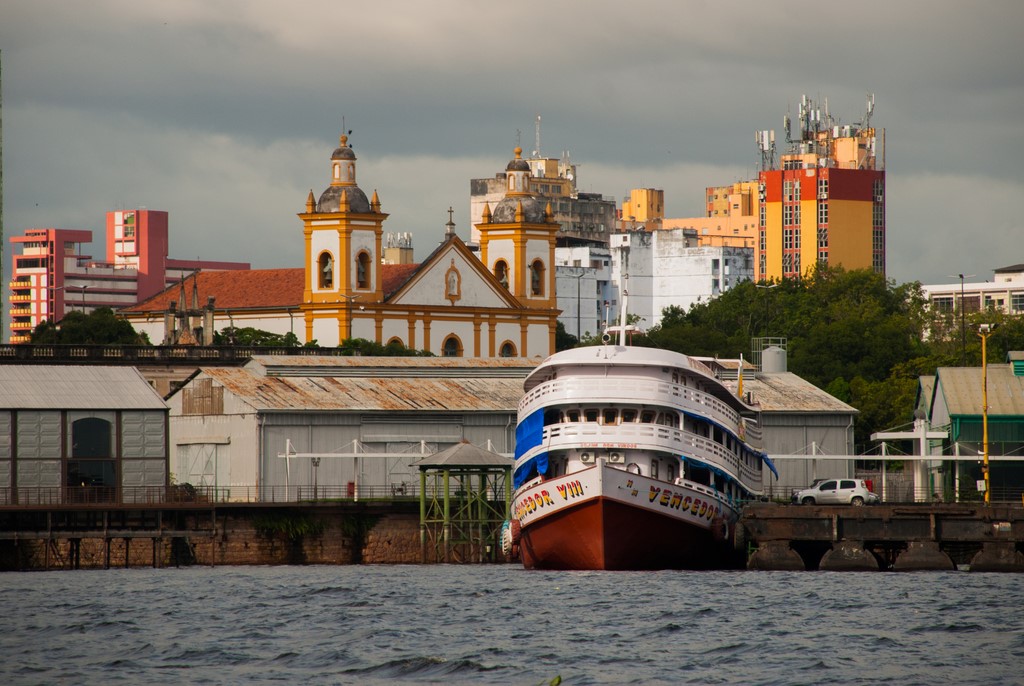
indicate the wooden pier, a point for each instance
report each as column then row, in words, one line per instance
column 897, row 537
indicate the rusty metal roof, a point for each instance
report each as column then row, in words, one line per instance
column 368, row 393
column 961, row 388
column 447, row 367
column 787, row 392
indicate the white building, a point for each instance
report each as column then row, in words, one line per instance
column 583, row 283
column 667, row 267
column 1005, row 292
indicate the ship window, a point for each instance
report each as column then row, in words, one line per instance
column 611, row 417
column 671, row 473
column 654, row 469
column 572, row 415
column 647, row 416
column 590, row 415
column 628, row 416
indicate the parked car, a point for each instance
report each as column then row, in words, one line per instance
column 837, row 492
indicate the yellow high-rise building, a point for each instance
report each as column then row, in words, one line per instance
column 826, row 204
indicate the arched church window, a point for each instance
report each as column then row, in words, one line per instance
column 501, row 272
column 508, row 349
column 363, row 270
column 325, row 270
column 452, row 347
column 537, row 277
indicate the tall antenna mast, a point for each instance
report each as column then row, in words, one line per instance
column 536, row 151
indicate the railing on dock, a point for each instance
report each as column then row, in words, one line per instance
column 187, row 494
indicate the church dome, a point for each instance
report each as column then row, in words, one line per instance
column 330, row 199
column 505, row 211
column 518, row 163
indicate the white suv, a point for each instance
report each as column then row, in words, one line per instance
column 836, row 492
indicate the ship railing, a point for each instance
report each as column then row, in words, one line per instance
column 648, row 437
column 631, row 389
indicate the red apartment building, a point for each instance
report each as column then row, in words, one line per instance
column 51, row 275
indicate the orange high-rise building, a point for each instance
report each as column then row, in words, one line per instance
column 826, row 204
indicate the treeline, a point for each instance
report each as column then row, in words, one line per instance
column 862, row 338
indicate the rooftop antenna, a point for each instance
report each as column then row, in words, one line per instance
column 536, row 151
column 870, row 110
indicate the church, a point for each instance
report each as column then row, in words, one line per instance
column 497, row 302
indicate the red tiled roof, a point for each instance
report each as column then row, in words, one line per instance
column 256, row 288
column 234, row 289
column 394, row 276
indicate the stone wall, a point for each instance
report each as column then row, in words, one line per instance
column 244, row 538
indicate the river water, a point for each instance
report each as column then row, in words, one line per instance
column 504, row 625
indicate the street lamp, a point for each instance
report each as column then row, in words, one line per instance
column 578, row 277
column 984, row 331
column 963, row 334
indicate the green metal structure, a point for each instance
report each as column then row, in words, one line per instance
column 465, row 498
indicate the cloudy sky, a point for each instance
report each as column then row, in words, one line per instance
column 225, row 113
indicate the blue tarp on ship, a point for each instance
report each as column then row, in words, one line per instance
column 530, row 434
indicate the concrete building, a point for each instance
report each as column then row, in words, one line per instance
column 730, row 220
column 51, row 275
column 359, row 422
column 826, row 204
column 497, row 302
column 583, row 283
column 670, row 268
column 1004, row 292
column 80, row 434
column 803, row 428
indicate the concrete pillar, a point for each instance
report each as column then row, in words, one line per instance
column 922, row 556
column 776, row 556
column 849, row 556
column 999, row 556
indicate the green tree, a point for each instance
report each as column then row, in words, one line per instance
column 563, row 339
column 99, row 327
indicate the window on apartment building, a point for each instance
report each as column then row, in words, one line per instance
column 822, row 237
column 1016, row 302
column 823, row 213
column 787, row 191
column 822, row 189
column 942, row 303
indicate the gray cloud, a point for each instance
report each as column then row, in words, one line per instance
column 225, row 113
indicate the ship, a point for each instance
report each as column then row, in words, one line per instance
column 632, row 458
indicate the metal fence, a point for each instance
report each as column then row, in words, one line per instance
column 189, row 494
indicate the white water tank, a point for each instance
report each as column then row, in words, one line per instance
column 773, row 359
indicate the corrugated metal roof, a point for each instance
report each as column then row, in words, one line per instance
column 356, row 366
column 787, row 392
column 76, row 387
column 368, row 393
column 925, row 393
column 962, row 389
